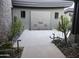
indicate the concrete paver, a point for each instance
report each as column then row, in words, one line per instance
column 37, row 44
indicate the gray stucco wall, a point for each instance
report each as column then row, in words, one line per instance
column 29, row 20
column 26, row 20
column 5, row 18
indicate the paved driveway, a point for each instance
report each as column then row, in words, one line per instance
column 37, row 44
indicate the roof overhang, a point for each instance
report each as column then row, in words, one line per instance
column 73, row 0
column 69, row 10
column 24, row 3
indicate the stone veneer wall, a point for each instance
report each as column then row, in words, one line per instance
column 5, row 18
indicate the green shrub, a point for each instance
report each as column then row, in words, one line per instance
column 64, row 26
column 7, row 45
column 16, row 28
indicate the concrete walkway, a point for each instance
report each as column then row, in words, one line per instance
column 37, row 44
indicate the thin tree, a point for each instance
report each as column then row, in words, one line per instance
column 63, row 27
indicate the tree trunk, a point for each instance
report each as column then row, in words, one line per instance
column 65, row 37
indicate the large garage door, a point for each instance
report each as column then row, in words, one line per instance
column 40, row 20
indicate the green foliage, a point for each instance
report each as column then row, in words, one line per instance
column 64, row 24
column 6, row 45
column 16, row 27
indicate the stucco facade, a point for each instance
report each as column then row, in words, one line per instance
column 34, row 16
column 5, row 18
column 40, row 15
column 6, row 12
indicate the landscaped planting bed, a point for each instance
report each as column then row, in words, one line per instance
column 69, row 52
column 11, row 53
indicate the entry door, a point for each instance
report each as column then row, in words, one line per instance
column 40, row 20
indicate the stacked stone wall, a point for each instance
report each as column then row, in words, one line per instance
column 5, row 18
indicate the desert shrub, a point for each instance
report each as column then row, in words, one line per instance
column 16, row 28
column 64, row 26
